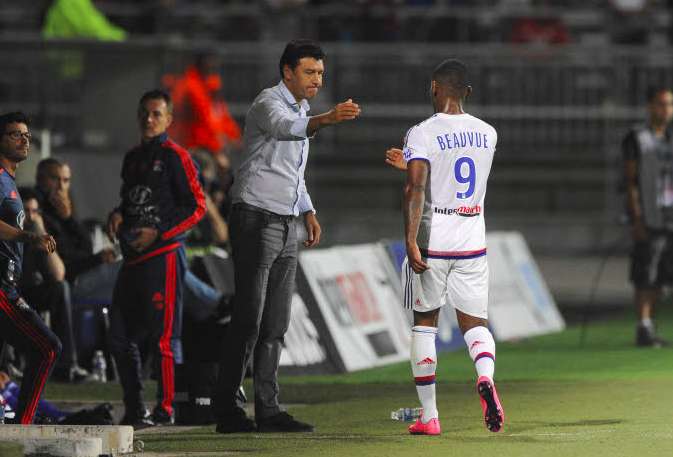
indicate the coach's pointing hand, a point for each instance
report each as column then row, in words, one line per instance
column 345, row 111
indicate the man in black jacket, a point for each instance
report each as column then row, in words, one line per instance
column 92, row 276
column 43, row 284
column 161, row 199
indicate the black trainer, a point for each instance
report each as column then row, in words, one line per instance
column 647, row 337
column 138, row 419
column 282, row 422
column 236, row 422
column 161, row 417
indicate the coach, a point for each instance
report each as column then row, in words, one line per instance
column 268, row 195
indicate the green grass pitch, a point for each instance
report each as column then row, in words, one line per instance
column 607, row 398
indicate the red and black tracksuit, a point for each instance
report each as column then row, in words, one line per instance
column 20, row 325
column 160, row 189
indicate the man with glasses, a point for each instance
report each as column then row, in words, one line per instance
column 20, row 326
column 648, row 169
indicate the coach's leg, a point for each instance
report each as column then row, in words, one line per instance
column 23, row 328
column 274, row 325
column 255, row 248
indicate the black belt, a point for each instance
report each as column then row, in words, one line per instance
column 257, row 209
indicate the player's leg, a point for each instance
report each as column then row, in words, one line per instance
column 126, row 328
column 425, row 293
column 468, row 292
column 648, row 259
column 166, row 302
column 23, row 328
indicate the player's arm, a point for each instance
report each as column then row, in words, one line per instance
column 634, row 208
column 346, row 111
column 414, row 199
column 190, row 202
column 44, row 242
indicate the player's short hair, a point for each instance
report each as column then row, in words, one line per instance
column 45, row 164
column 13, row 118
column 451, row 73
column 297, row 49
column 157, row 94
column 653, row 91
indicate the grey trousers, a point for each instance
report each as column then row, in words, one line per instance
column 265, row 263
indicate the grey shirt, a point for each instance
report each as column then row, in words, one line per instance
column 655, row 174
column 275, row 152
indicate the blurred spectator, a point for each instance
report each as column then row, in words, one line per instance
column 648, row 168
column 43, row 285
column 630, row 22
column 201, row 118
column 79, row 19
column 92, row 276
column 49, row 413
column 531, row 30
column 212, row 229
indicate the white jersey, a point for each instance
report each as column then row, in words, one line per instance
column 459, row 149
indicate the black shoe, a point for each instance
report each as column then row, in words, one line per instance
column 236, row 422
column 282, row 422
column 646, row 337
column 138, row 420
column 161, row 417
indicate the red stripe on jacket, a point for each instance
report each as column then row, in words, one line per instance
column 194, row 186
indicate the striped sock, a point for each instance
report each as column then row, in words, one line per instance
column 481, row 347
column 423, row 367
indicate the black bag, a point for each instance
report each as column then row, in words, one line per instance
column 100, row 415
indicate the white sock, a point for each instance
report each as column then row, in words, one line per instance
column 647, row 322
column 481, row 346
column 423, row 367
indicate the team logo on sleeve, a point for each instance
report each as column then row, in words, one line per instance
column 20, row 219
column 407, row 153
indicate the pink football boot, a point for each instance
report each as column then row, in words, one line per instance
column 431, row 428
column 494, row 416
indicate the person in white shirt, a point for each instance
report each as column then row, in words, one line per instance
column 448, row 160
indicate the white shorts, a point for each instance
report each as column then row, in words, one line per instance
column 461, row 283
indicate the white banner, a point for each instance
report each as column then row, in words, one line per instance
column 356, row 291
column 520, row 304
column 302, row 342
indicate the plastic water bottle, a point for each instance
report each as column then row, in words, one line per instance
column 406, row 414
column 99, row 366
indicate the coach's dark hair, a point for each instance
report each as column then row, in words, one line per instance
column 653, row 91
column 295, row 50
column 157, row 94
column 11, row 118
column 451, row 73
